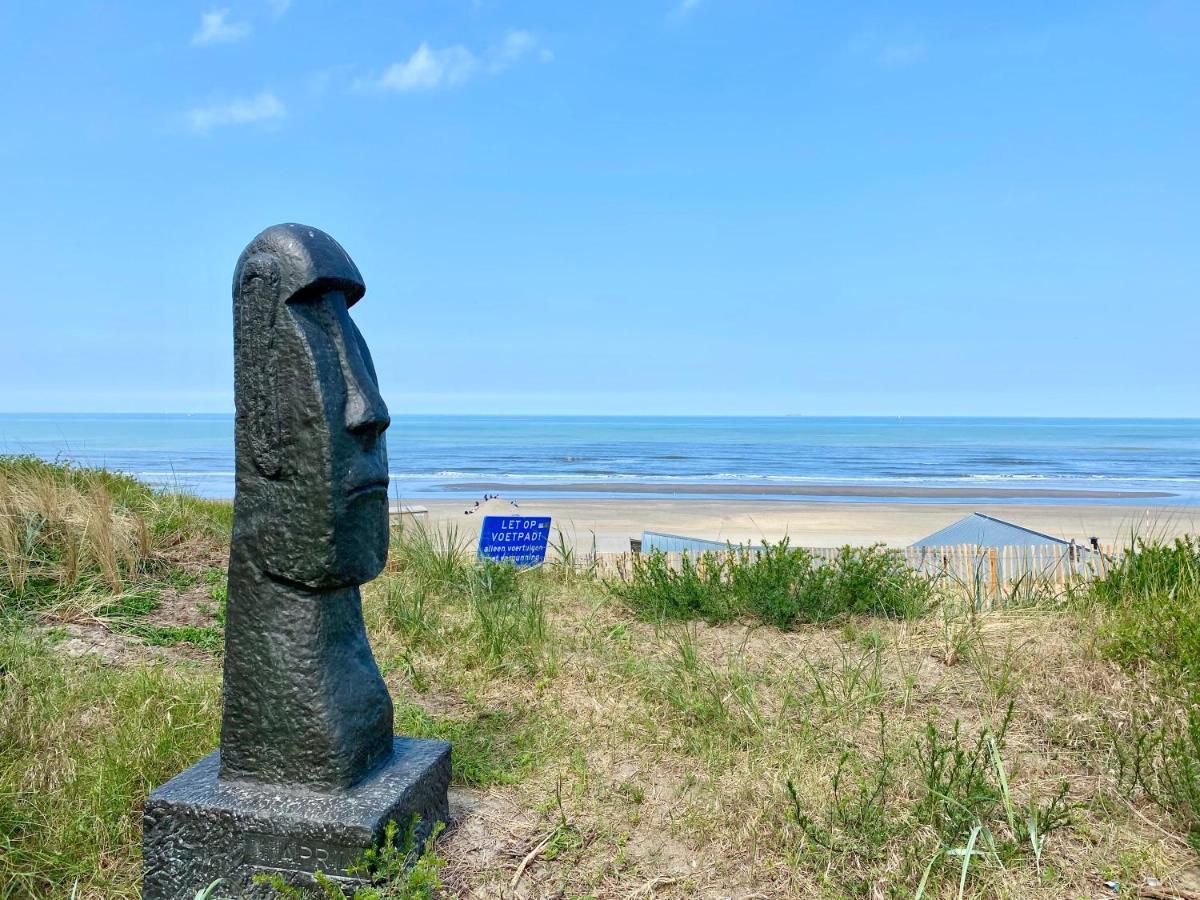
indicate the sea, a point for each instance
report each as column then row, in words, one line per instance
column 450, row 456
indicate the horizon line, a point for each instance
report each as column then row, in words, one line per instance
column 642, row 415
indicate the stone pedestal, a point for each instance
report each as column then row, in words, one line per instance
column 198, row 828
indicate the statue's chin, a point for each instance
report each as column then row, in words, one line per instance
column 362, row 536
column 345, row 547
column 365, row 566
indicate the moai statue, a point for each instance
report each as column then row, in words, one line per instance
column 309, row 772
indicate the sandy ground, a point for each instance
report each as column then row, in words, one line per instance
column 821, row 524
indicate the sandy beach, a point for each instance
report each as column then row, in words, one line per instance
column 820, row 524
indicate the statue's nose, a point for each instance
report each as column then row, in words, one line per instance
column 366, row 414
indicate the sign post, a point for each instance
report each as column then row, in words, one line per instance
column 520, row 540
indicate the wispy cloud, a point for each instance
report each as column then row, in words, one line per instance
column 686, row 7
column 215, row 28
column 897, row 54
column 320, row 82
column 889, row 51
column 429, row 68
column 279, row 7
column 262, row 107
column 515, row 47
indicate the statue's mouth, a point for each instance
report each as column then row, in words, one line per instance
column 378, row 485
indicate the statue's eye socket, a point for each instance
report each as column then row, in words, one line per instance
column 316, row 314
column 321, row 291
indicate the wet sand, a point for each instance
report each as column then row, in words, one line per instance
column 802, row 490
column 613, row 522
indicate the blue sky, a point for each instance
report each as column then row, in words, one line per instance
column 715, row 206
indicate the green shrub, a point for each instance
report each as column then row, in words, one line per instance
column 658, row 593
column 781, row 585
column 878, row 581
column 958, row 779
column 962, row 797
column 1160, row 753
column 856, row 816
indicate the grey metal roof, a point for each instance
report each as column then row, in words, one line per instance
column 978, row 530
column 678, row 543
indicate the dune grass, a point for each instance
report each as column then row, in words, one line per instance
column 81, row 744
column 1149, row 605
column 1152, row 604
column 75, row 537
column 778, row 733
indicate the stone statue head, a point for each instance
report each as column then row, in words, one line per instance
column 311, row 504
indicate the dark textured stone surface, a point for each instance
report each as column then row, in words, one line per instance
column 304, row 702
column 198, row 828
column 308, row 772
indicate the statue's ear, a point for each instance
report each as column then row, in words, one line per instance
column 255, row 351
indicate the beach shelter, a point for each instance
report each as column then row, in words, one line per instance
column 981, row 546
column 979, row 530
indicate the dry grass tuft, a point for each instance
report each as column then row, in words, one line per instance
column 75, row 536
column 56, row 530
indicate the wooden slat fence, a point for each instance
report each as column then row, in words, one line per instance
column 983, row 569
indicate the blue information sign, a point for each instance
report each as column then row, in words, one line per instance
column 520, row 540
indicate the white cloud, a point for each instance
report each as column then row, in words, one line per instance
column 429, row 68
column 215, row 28
column 279, row 7
column 263, row 107
column 686, row 6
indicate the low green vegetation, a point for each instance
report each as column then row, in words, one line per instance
column 781, row 585
column 437, row 595
column 1150, row 608
column 710, row 709
column 763, row 725
column 407, row 870
column 958, row 814
column 81, row 744
column 1152, row 605
column 492, row 746
column 205, row 637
